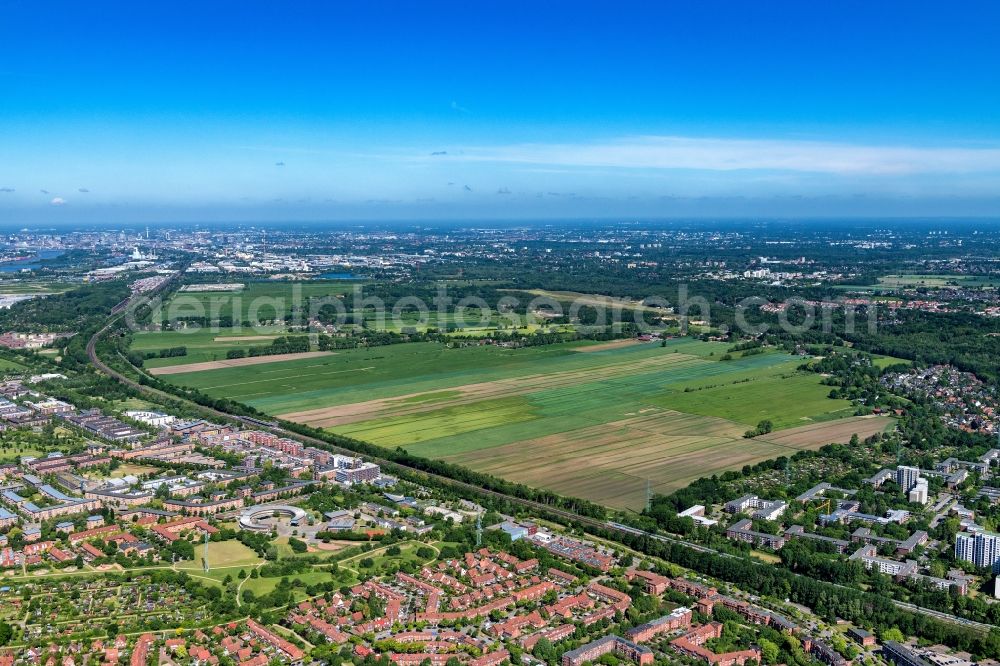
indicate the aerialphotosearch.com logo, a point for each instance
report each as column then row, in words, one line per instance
column 510, row 313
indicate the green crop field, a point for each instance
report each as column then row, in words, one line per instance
column 362, row 374
column 466, row 318
column 635, row 413
column 202, row 344
column 786, row 398
column 445, row 422
column 257, row 301
column 937, row 281
column 211, row 343
column 263, row 302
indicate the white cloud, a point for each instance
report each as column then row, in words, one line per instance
column 57, row 201
column 718, row 154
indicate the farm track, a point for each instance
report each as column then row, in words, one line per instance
column 234, row 363
column 573, row 517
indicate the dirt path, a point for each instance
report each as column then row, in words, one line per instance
column 244, row 338
column 594, row 300
column 234, row 363
column 239, row 588
column 603, row 346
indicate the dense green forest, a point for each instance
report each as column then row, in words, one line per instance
column 69, row 312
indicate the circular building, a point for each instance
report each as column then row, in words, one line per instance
column 250, row 517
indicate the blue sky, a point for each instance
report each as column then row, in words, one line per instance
column 146, row 111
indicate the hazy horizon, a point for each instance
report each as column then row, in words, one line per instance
column 189, row 112
column 715, row 223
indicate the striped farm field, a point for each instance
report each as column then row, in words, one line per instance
column 664, row 448
column 236, row 362
column 600, row 425
column 448, row 421
column 839, row 431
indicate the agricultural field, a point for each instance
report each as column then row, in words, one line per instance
column 236, row 362
column 465, row 318
column 637, row 413
column 203, row 345
column 832, row 431
column 257, row 301
column 596, row 300
column 43, row 287
column 360, row 374
column 212, row 343
column 754, row 398
column 910, row 281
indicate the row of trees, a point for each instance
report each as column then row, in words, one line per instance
column 828, row 600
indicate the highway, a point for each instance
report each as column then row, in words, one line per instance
column 121, row 309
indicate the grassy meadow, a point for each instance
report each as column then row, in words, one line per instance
column 257, row 301
column 16, row 286
column 202, row 344
column 10, row 366
column 910, row 281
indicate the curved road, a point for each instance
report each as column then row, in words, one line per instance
column 120, row 310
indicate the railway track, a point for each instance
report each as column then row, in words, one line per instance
column 277, row 429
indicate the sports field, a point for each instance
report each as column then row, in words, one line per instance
column 600, row 425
